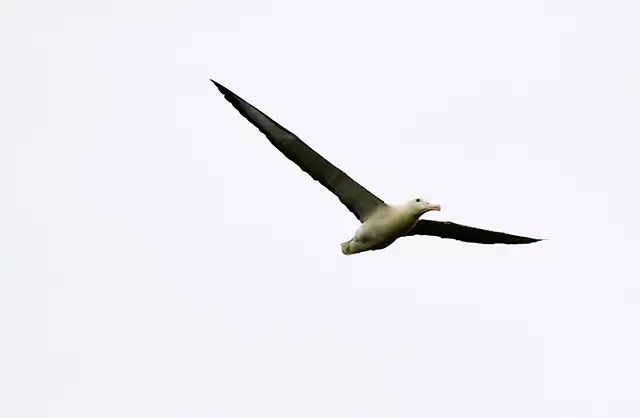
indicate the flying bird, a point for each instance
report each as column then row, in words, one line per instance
column 381, row 223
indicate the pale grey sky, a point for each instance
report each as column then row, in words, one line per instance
column 159, row 258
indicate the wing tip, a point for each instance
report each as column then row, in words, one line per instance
column 527, row 240
column 220, row 87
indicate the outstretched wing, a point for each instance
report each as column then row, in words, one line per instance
column 356, row 198
column 464, row 233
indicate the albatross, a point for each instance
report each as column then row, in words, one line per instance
column 381, row 223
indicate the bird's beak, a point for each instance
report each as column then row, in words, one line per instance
column 433, row 206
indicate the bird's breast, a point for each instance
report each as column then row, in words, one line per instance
column 385, row 226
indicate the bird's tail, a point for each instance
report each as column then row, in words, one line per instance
column 346, row 247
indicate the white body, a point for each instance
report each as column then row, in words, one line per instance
column 383, row 227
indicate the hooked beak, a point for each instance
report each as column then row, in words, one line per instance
column 433, row 206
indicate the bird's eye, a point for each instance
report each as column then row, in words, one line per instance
column 417, row 200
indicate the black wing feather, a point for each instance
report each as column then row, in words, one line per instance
column 464, row 233
column 356, row 198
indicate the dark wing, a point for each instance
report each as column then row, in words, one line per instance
column 356, row 198
column 466, row 233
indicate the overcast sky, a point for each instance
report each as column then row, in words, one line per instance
column 159, row 258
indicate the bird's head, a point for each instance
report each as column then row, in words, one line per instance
column 420, row 205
